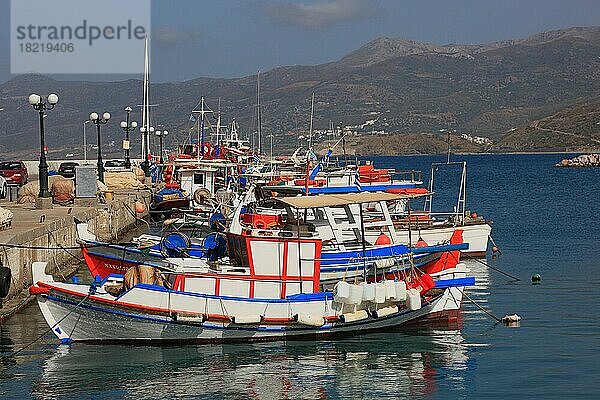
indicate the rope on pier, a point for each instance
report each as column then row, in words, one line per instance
column 78, row 259
column 22, row 246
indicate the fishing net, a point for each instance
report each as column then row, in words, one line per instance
column 29, row 191
column 63, row 190
column 143, row 274
column 121, row 180
column 139, row 174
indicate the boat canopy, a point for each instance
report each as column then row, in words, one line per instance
column 332, row 200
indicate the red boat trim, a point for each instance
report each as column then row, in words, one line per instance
column 278, row 320
column 35, row 290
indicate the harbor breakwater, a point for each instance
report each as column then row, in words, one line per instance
column 50, row 235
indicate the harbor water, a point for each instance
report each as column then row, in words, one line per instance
column 546, row 220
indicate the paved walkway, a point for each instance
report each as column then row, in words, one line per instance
column 26, row 217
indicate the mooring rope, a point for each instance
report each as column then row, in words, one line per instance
column 14, row 353
column 489, row 266
column 478, row 306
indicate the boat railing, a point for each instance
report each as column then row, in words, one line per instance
column 416, row 215
column 411, row 175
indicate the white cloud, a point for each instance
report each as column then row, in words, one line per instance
column 318, row 13
column 166, row 35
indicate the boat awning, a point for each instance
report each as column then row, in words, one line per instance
column 331, row 200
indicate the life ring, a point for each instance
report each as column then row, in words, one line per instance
column 259, row 223
column 201, row 195
column 5, row 278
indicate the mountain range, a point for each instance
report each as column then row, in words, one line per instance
column 495, row 90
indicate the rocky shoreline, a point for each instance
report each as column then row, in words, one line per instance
column 584, row 160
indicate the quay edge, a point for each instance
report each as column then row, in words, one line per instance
column 36, row 230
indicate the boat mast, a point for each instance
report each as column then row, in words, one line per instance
column 306, row 179
column 310, row 130
column 218, row 133
column 146, row 103
column 258, row 113
column 233, row 134
column 203, row 111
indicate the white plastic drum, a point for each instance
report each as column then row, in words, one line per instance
column 413, row 299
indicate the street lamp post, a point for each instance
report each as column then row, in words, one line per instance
column 96, row 120
column 146, row 163
column 127, row 127
column 160, row 135
column 85, row 141
column 38, row 104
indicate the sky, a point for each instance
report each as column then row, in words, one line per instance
column 234, row 38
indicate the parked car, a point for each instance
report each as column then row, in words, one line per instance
column 15, row 172
column 3, row 188
column 67, row 169
column 114, row 165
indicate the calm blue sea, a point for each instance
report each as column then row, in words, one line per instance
column 545, row 220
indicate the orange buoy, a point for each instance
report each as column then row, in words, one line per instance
column 474, row 215
column 383, row 239
column 495, row 249
column 139, row 207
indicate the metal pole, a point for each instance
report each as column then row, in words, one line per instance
column 161, row 147
column 100, row 164
column 84, row 142
column 43, row 167
column 299, row 245
column 363, row 240
column 202, row 128
column 127, row 129
column 448, row 160
column 146, row 163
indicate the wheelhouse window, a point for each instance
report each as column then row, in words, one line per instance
column 198, row 179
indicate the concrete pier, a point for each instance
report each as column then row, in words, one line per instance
column 35, row 235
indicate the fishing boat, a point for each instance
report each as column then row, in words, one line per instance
column 433, row 226
column 104, row 259
column 354, row 241
column 282, row 301
column 427, row 225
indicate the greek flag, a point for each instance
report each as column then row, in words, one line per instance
column 255, row 157
column 357, row 179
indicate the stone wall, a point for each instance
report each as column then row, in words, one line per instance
column 108, row 221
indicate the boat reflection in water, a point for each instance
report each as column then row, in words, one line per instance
column 400, row 364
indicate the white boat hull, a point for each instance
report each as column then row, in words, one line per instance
column 88, row 324
column 476, row 236
column 146, row 314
